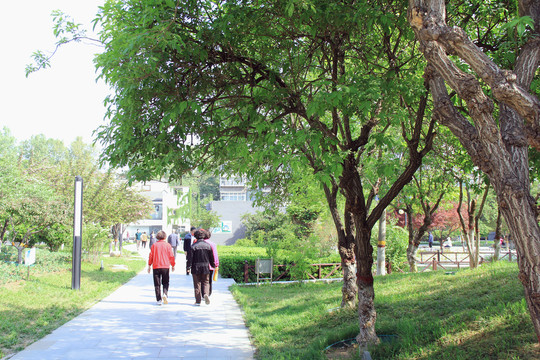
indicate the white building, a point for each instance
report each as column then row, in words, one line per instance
column 235, row 200
column 167, row 200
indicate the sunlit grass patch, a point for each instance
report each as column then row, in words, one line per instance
column 472, row 314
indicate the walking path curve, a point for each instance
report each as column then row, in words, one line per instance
column 129, row 325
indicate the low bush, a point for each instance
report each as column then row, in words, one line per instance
column 233, row 258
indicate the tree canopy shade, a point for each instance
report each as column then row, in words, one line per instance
column 268, row 88
column 494, row 73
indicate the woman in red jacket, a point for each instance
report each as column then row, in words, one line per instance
column 161, row 258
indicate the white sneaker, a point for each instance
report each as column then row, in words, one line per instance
column 159, row 303
column 165, row 300
column 197, row 304
column 206, row 299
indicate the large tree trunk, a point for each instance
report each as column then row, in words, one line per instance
column 520, row 214
column 366, row 293
column 500, row 149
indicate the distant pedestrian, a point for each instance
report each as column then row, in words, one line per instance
column 187, row 248
column 173, row 240
column 448, row 243
column 144, row 239
column 138, row 237
column 152, row 240
column 161, row 259
column 430, row 240
column 208, row 234
column 202, row 258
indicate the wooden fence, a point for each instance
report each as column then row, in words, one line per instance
column 434, row 260
column 450, row 260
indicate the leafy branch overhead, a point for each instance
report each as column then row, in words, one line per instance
column 66, row 30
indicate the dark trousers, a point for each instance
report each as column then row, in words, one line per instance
column 210, row 281
column 161, row 277
column 201, row 284
column 188, row 261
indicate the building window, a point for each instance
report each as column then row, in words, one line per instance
column 158, row 212
column 231, row 182
column 233, row 196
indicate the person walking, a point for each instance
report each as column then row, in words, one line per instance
column 144, row 239
column 208, row 234
column 138, row 236
column 173, row 240
column 187, row 248
column 153, row 240
column 202, row 258
column 430, row 240
column 161, row 259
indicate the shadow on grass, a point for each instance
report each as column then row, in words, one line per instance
column 477, row 314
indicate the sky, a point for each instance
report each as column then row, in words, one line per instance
column 63, row 101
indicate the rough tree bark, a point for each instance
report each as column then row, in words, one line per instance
column 500, row 151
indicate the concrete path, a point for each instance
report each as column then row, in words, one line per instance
column 129, row 325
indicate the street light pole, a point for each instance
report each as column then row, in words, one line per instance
column 77, row 235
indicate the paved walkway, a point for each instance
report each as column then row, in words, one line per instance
column 129, row 325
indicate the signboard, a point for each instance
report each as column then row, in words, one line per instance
column 30, row 256
column 224, row 228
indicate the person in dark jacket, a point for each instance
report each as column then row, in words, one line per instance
column 187, row 248
column 153, row 240
column 202, row 257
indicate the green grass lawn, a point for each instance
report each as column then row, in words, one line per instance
column 474, row 314
column 31, row 309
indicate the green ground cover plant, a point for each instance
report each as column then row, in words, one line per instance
column 33, row 308
column 469, row 314
column 46, row 262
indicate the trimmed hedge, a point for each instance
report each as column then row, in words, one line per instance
column 232, row 258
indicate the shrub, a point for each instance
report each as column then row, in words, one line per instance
column 297, row 264
column 93, row 241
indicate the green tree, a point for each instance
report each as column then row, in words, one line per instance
column 324, row 85
column 253, row 87
column 487, row 54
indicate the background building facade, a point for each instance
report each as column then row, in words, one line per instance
column 167, row 200
column 235, row 200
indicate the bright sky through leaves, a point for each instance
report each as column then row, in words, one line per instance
column 61, row 102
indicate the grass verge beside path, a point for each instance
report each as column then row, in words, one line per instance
column 474, row 314
column 31, row 309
